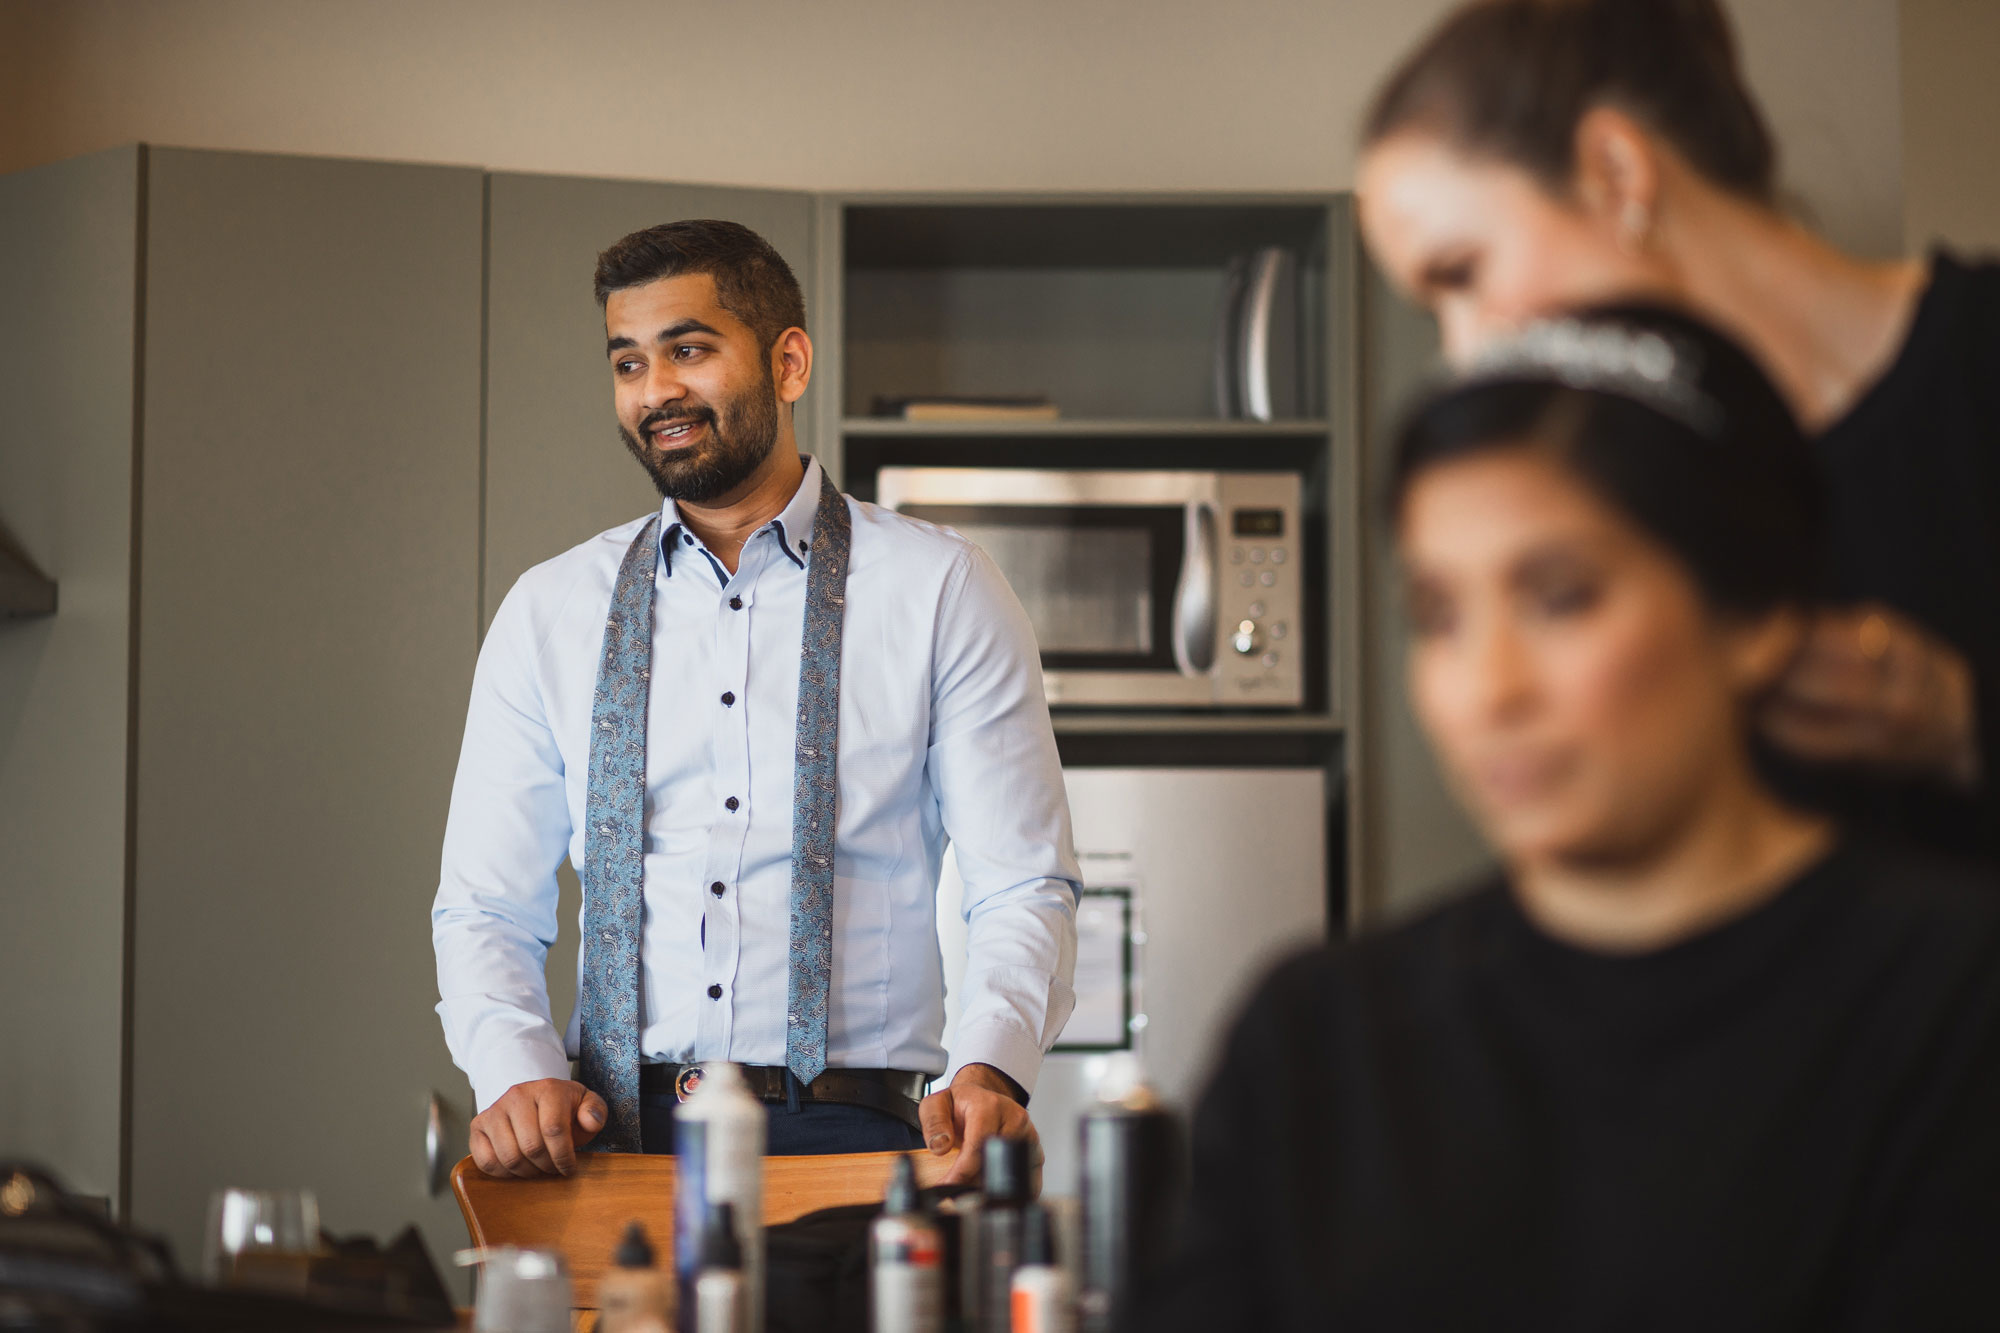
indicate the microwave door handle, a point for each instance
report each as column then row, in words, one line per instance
column 1194, row 596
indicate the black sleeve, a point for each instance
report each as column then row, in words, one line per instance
column 1226, row 1269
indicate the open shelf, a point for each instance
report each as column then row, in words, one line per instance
column 1179, row 428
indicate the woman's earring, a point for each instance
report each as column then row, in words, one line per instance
column 1635, row 224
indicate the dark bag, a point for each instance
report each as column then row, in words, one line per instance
column 816, row 1268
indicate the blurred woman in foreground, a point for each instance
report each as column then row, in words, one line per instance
column 1694, row 1060
column 1535, row 155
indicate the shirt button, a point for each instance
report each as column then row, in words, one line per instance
column 728, row 698
column 715, row 992
column 736, row 604
column 716, row 888
column 730, row 804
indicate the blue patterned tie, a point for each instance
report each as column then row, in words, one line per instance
column 615, row 819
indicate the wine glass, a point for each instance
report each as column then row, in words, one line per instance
column 260, row 1238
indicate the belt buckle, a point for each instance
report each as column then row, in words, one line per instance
column 687, row 1081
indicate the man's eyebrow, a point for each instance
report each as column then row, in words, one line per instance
column 666, row 335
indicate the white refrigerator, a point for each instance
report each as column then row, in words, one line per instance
column 1195, row 881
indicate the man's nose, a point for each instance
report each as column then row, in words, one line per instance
column 663, row 385
column 1499, row 683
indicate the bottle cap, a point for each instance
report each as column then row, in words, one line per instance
column 1006, row 1170
column 635, row 1251
column 1038, row 1244
column 902, row 1197
column 719, row 1246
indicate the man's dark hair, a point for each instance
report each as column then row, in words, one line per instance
column 1736, row 500
column 752, row 280
column 1510, row 79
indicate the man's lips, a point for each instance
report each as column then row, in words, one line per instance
column 672, row 434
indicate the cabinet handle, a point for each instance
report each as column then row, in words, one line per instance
column 436, row 1169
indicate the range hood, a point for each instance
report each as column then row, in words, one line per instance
column 24, row 590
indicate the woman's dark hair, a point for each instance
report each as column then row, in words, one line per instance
column 1511, row 79
column 1664, row 419
column 752, row 280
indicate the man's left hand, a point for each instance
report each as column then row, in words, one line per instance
column 978, row 1105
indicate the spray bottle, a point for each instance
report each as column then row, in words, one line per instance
column 905, row 1261
column 1044, row 1301
column 719, row 1150
column 1004, row 1187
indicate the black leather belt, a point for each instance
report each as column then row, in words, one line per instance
column 894, row 1092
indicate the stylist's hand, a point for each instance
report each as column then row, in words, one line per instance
column 1871, row 687
column 978, row 1105
column 535, row 1129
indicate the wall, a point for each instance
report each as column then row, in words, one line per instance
column 1951, row 106
column 865, row 94
column 68, row 257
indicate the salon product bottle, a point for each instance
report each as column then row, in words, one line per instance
column 1130, row 1176
column 721, row 1294
column 719, row 1158
column 905, row 1261
column 1004, row 1194
column 634, row 1296
column 1044, row 1297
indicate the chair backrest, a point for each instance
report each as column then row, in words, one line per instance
column 584, row 1215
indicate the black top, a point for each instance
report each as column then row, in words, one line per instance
column 1792, row 1122
column 1913, row 482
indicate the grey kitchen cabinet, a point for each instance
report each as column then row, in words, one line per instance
column 293, row 483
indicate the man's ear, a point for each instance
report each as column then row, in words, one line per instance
column 1761, row 649
column 791, row 364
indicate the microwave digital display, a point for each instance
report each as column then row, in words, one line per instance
column 1257, row 522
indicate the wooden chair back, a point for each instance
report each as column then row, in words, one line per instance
column 584, row 1215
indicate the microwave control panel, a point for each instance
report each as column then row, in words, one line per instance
column 1259, row 600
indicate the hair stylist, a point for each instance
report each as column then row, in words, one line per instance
column 1536, row 155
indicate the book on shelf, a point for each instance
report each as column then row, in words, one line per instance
column 942, row 408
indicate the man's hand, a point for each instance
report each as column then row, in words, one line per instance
column 978, row 1105
column 535, row 1129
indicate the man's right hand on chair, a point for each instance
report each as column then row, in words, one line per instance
column 535, row 1129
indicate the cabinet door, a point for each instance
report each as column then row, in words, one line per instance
column 307, row 624
column 556, row 473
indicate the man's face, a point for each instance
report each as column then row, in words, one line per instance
column 696, row 401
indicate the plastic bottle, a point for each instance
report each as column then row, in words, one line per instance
column 721, row 1295
column 1044, row 1299
column 905, row 1261
column 719, row 1150
column 1004, row 1197
column 1130, row 1175
column 634, row 1296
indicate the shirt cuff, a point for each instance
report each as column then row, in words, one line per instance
column 515, row 1062
column 1008, row 1049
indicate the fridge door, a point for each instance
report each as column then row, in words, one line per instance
column 1224, row 871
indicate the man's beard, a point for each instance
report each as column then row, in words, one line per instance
column 739, row 439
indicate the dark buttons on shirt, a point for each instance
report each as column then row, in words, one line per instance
column 687, row 538
column 715, row 992
column 804, row 545
column 736, row 604
column 716, row 888
column 728, row 698
column 730, row 804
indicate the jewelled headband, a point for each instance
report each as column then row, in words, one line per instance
column 1648, row 368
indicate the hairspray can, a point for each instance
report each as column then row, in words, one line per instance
column 905, row 1261
column 1130, row 1174
column 719, row 1158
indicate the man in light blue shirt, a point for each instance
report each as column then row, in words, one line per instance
column 705, row 937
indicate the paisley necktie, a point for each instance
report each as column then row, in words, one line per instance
column 615, row 823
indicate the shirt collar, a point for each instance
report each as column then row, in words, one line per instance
column 793, row 526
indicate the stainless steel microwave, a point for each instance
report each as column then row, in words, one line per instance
column 1146, row 589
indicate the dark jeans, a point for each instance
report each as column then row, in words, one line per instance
column 796, row 1128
